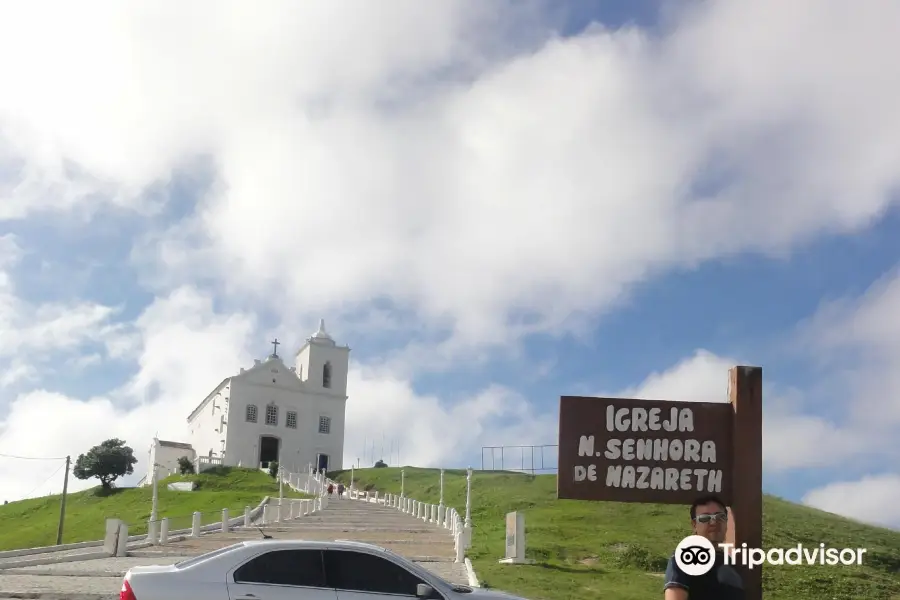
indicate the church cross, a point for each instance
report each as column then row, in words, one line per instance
column 275, row 344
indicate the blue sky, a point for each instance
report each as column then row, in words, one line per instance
column 566, row 179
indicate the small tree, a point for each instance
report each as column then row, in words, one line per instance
column 380, row 464
column 107, row 462
column 185, row 466
column 273, row 468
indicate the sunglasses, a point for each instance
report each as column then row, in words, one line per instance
column 720, row 516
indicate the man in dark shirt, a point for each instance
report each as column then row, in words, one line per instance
column 709, row 519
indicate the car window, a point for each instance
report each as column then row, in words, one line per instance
column 362, row 572
column 284, row 567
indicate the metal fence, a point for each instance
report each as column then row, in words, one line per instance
column 532, row 459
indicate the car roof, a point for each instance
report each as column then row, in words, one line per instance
column 323, row 544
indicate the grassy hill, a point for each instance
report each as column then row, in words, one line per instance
column 587, row 550
column 30, row 523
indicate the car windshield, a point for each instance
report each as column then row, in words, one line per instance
column 194, row 560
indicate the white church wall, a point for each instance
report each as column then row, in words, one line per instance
column 207, row 429
column 166, row 459
column 300, row 445
column 332, row 443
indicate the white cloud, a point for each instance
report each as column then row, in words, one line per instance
column 185, row 348
column 856, row 341
column 32, row 334
column 702, row 377
column 431, row 431
column 871, row 499
column 494, row 186
column 792, row 434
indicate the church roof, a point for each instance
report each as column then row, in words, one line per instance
column 181, row 445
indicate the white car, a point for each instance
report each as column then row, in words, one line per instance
column 296, row 570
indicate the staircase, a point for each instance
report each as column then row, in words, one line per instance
column 374, row 523
column 428, row 544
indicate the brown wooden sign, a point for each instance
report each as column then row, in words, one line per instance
column 629, row 450
column 669, row 452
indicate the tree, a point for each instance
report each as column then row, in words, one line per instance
column 107, row 462
column 380, row 464
column 185, row 466
column 273, row 468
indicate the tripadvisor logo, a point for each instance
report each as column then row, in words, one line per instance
column 695, row 555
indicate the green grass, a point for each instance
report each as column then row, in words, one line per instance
column 588, row 550
column 31, row 523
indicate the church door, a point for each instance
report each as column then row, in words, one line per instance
column 322, row 460
column 268, row 449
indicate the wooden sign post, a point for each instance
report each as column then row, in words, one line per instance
column 671, row 452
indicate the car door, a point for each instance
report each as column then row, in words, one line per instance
column 363, row 576
column 281, row 575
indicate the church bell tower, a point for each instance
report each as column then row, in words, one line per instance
column 322, row 364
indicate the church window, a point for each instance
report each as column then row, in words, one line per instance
column 326, row 375
column 324, row 424
column 271, row 415
column 291, row 419
column 251, row 413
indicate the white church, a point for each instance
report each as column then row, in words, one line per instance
column 269, row 412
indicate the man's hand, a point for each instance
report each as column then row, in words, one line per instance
column 676, row 593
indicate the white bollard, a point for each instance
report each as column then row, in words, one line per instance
column 164, row 532
column 224, row 520
column 152, row 531
column 460, row 551
column 195, row 525
column 247, row 511
column 265, row 518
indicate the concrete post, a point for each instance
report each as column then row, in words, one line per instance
column 122, row 542
column 265, row 518
column 224, row 520
column 164, row 532
column 247, row 511
column 195, row 525
column 112, row 536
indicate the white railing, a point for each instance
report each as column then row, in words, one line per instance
column 204, row 463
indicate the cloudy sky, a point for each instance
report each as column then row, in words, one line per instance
column 492, row 203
